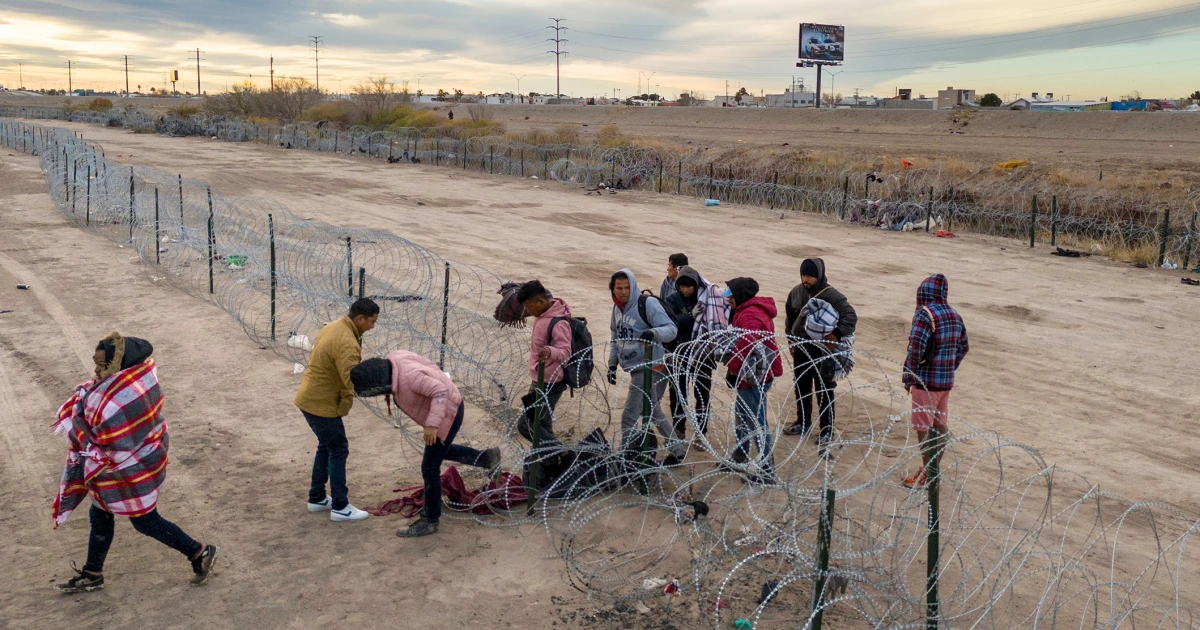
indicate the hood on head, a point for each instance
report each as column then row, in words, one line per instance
column 822, row 281
column 123, row 353
column 933, row 290
column 633, row 289
column 692, row 274
column 558, row 308
column 742, row 289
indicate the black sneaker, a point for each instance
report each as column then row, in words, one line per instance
column 418, row 528
column 81, row 583
column 671, row 461
column 795, row 429
column 203, row 564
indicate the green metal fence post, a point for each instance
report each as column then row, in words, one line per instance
column 1053, row 220
column 932, row 541
column 535, row 465
column 1191, row 237
column 824, row 535
column 1164, row 233
column 1033, row 222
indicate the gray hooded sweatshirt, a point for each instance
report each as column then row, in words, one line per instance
column 627, row 325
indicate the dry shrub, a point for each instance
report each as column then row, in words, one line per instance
column 562, row 135
column 610, row 137
column 475, row 128
column 183, row 111
column 143, row 130
column 341, row 112
column 259, row 120
column 100, row 104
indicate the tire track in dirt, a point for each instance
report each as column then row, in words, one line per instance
column 22, row 449
column 70, row 331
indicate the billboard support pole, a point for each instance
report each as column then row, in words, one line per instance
column 820, row 71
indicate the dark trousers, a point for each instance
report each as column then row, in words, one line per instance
column 329, row 463
column 533, row 401
column 152, row 525
column 431, row 466
column 701, row 389
column 814, row 395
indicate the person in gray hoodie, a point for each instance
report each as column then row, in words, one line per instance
column 639, row 322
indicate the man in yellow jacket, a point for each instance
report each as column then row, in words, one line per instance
column 326, row 395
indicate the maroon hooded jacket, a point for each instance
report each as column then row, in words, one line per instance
column 755, row 347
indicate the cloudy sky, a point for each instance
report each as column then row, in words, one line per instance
column 1080, row 48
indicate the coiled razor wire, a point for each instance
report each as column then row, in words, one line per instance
column 1070, row 214
column 1023, row 544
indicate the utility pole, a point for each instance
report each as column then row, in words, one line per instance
column 726, row 103
column 70, row 84
column 558, row 53
column 21, row 76
column 126, row 76
column 316, row 40
column 197, row 72
column 272, row 71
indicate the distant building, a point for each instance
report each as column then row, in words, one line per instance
column 792, row 99
column 1071, row 106
column 898, row 103
column 950, row 98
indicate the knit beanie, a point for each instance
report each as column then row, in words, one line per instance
column 809, row 268
column 372, row 377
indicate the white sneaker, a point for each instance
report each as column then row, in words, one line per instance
column 349, row 513
column 325, row 504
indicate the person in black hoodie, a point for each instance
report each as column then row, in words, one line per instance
column 680, row 306
column 811, row 382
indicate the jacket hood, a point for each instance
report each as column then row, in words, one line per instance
column 822, row 281
column 123, row 353
column 688, row 272
column 766, row 304
column 634, row 292
column 558, row 308
column 743, row 290
column 933, row 290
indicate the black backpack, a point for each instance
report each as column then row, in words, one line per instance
column 577, row 371
column 647, row 294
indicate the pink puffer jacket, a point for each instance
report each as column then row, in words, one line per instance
column 423, row 392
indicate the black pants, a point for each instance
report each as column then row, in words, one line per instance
column 701, row 389
column 812, row 391
column 329, row 463
column 431, row 466
column 533, row 401
column 152, row 525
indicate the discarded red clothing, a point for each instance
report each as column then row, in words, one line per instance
column 946, row 234
column 498, row 494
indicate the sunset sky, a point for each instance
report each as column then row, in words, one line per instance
column 1076, row 48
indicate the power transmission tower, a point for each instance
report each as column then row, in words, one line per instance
column 126, row 76
column 316, row 40
column 70, row 84
column 272, row 71
column 558, row 53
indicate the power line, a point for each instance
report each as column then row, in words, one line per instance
column 558, row 53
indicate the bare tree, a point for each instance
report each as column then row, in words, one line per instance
column 376, row 95
column 404, row 96
column 478, row 111
column 829, row 99
column 289, row 97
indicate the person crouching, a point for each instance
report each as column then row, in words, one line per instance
column 428, row 396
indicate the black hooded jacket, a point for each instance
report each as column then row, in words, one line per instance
column 799, row 296
column 680, row 308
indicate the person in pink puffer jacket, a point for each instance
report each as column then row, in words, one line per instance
column 428, row 396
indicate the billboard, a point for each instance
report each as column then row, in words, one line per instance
column 822, row 42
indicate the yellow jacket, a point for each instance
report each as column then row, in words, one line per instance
column 326, row 390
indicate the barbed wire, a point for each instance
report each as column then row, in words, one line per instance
column 1022, row 544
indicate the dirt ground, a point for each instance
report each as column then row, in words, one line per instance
column 1088, row 360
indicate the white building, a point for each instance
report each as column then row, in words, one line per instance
column 792, row 99
column 950, row 98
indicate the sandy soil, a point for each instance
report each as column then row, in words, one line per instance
column 1088, row 360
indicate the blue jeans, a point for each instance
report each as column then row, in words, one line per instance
column 150, row 524
column 750, row 423
column 329, row 464
column 431, row 466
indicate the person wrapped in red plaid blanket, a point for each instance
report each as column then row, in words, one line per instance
column 118, row 455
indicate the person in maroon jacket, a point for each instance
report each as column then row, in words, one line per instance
column 753, row 367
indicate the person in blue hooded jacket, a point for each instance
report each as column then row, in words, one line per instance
column 637, row 323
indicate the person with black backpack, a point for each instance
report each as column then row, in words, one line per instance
column 551, row 345
column 640, row 326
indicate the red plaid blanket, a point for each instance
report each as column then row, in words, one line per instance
column 118, row 444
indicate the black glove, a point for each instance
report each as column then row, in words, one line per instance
column 731, row 379
column 647, row 336
column 612, row 376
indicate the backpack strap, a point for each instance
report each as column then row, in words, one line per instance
column 550, row 330
column 932, row 319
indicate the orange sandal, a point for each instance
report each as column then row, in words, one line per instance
column 917, row 480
